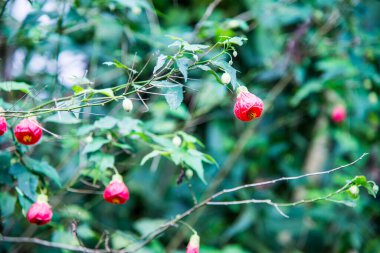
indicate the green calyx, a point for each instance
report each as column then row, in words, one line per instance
column 117, row 177
column 241, row 89
column 42, row 198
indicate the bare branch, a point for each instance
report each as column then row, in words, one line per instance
column 152, row 235
column 210, row 9
column 50, row 244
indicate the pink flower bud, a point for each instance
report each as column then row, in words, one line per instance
column 28, row 131
column 338, row 114
column 116, row 192
column 39, row 213
column 3, row 126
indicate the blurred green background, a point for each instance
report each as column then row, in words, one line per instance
column 302, row 58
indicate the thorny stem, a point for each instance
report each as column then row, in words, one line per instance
column 208, row 201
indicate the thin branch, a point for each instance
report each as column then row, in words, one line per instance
column 249, row 201
column 50, row 244
column 289, row 178
column 210, row 9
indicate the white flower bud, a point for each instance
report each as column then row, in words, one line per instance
column 354, row 190
column 127, row 105
column 136, row 10
column 375, row 189
column 234, row 53
column 226, row 78
column 88, row 139
column 234, row 23
column 177, row 141
column 189, row 173
column 230, row 62
column 195, row 57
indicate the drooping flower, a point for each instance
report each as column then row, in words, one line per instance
column 40, row 212
column 116, row 191
column 247, row 106
column 193, row 245
column 338, row 114
column 28, row 131
column 3, row 126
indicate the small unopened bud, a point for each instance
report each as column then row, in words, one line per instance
column 89, row 139
column 136, row 10
column 127, row 105
column 189, row 173
column 230, row 62
column 375, row 188
column 233, row 23
column 195, row 57
column 354, row 191
column 226, row 78
column 234, row 53
column 177, row 141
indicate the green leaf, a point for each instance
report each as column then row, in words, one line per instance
column 189, row 138
column 43, row 168
column 177, row 156
column 235, row 40
column 103, row 161
column 195, row 163
column 183, row 65
column 193, row 47
column 63, row 118
column 84, row 231
column 95, row 145
column 122, row 240
column 128, row 125
column 335, row 67
column 208, row 69
column 173, row 93
column 27, row 182
column 313, row 86
column 360, row 180
column 75, row 212
column 85, row 129
column 108, row 92
column 371, row 186
column 77, row 89
column 149, row 156
column 162, row 141
column 79, row 81
column 12, row 86
column 160, row 63
column 5, row 163
column 107, row 122
column 7, row 204
column 119, row 65
column 229, row 69
column 25, row 203
column 122, row 145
